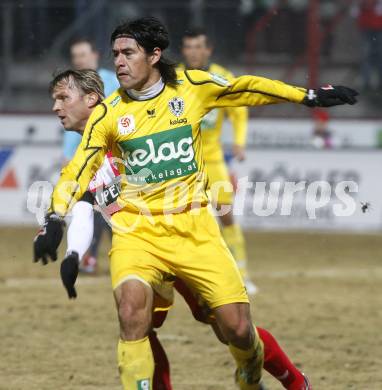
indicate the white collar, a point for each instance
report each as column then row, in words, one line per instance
column 147, row 93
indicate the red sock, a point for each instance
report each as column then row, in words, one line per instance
column 277, row 363
column 162, row 366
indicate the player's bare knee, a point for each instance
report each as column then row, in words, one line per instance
column 235, row 324
column 128, row 312
column 134, row 311
column 134, row 320
column 239, row 331
column 243, row 331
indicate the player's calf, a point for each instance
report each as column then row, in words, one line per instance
column 234, row 321
column 135, row 358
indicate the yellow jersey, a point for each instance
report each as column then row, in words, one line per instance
column 212, row 123
column 158, row 141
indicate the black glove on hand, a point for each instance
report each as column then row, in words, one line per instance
column 69, row 273
column 48, row 238
column 330, row 96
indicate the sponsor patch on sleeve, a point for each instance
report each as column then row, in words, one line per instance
column 218, row 79
column 115, row 101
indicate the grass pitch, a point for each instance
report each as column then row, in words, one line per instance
column 320, row 295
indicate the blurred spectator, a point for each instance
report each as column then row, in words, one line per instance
column 369, row 17
column 84, row 55
column 322, row 136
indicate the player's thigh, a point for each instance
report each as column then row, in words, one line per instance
column 133, row 258
column 207, row 265
column 221, row 188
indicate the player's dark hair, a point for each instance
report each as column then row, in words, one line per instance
column 195, row 32
column 149, row 33
column 87, row 80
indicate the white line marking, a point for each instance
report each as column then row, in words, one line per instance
column 324, row 273
column 38, row 282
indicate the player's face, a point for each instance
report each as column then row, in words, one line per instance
column 71, row 106
column 83, row 56
column 196, row 52
column 134, row 67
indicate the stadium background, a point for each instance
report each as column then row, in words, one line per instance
column 320, row 290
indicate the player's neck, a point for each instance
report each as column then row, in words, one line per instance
column 148, row 91
column 81, row 127
column 204, row 67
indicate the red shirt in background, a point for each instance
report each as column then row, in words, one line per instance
column 370, row 15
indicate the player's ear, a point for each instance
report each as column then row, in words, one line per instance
column 92, row 99
column 155, row 56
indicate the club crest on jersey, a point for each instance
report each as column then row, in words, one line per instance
column 126, row 124
column 176, row 106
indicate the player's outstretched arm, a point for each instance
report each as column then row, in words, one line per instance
column 254, row 91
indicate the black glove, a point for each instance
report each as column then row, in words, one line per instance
column 48, row 238
column 69, row 273
column 330, row 96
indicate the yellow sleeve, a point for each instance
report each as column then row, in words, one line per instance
column 76, row 176
column 239, row 119
column 216, row 91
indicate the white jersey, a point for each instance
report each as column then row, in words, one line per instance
column 105, row 185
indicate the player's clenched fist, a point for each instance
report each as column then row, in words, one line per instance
column 330, row 96
column 48, row 238
column 69, row 273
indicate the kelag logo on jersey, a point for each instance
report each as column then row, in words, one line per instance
column 161, row 156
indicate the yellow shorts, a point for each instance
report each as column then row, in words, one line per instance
column 190, row 247
column 219, row 182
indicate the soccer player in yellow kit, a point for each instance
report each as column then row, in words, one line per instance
column 196, row 52
column 76, row 93
column 165, row 228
